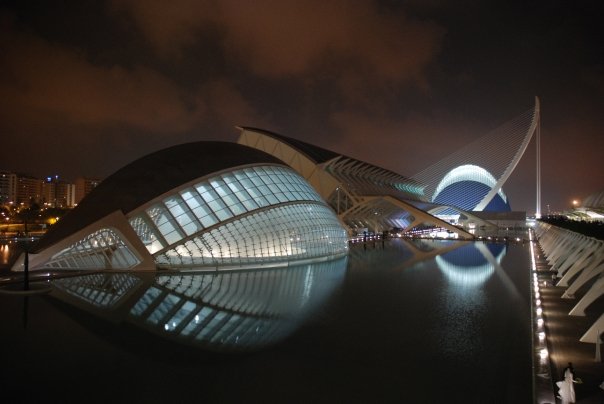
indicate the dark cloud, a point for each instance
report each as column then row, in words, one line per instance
column 85, row 89
column 50, row 78
column 278, row 39
column 227, row 106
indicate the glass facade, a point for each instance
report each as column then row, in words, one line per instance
column 251, row 216
column 101, row 249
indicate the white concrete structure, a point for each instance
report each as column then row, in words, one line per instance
column 577, row 260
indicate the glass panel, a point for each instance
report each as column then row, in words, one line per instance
column 183, row 312
column 163, row 308
column 227, row 196
column 210, row 328
column 285, row 232
column 145, row 301
column 214, row 202
column 165, row 223
column 146, row 234
column 254, row 192
column 183, row 216
column 200, row 209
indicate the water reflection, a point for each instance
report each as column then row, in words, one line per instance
column 218, row 311
column 400, row 253
column 463, row 301
column 5, row 254
column 472, row 264
column 11, row 248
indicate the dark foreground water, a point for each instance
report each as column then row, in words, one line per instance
column 393, row 323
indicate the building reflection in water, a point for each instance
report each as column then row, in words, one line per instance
column 472, row 264
column 216, row 311
column 463, row 304
column 5, row 252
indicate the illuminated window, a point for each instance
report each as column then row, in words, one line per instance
column 249, row 216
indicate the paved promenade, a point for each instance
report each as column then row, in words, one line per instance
column 563, row 333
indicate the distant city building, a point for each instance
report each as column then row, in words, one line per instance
column 51, row 191
column 70, row 195
column 8, row 187
column 57, row 193
column 29, row 190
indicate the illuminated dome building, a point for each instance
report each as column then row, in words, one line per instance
column 466, row 186
column 471, row 179
column 198, row 205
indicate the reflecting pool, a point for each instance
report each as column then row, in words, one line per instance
column 400, row 321
column 215, row 311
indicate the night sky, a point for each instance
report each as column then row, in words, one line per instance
column 88, row 86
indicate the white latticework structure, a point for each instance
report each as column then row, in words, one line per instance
column 578, row 261
column 488, row 160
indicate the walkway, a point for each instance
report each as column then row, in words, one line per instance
column 563, row 333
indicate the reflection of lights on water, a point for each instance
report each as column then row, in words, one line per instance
column 167, row 326
column 469, row 275
column 281, row 304
column 5, row 251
